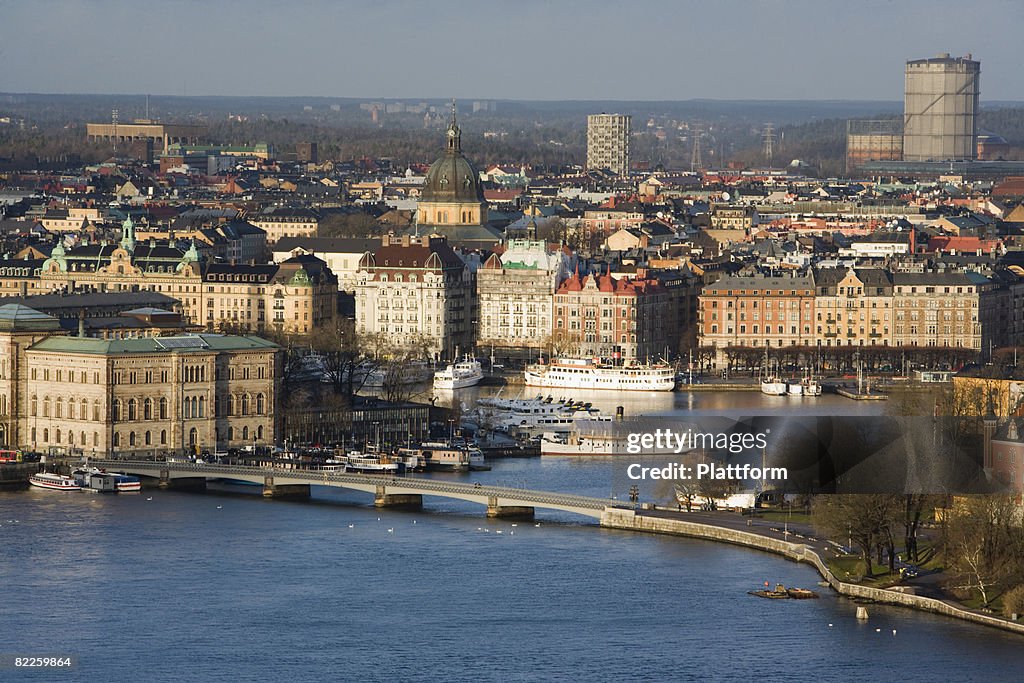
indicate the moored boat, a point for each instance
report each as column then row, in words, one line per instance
column 56, row 482
column 773, row 387
column 586, row 373
column 465, row 373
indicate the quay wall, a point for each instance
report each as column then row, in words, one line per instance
column 614, row 518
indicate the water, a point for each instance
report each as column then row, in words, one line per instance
column 226, row 586
column 677, row 403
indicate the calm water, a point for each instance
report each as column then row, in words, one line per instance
column 227, row 587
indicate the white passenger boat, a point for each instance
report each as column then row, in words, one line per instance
column 465, row 373
column 794, row 388
column 586, row 373
column 56, row 482
column 369, row 463
column 609, row 438
column 535, row 416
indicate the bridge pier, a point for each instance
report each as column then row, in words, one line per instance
column 272, row 490
column 383, row 499
column 508, row 511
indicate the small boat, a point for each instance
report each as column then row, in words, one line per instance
column 773, row 387
column 802, row 594
column 794, row 388
column 780, row 593
column 56, row 482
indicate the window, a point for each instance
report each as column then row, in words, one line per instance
column 147, row 410
column 163, row 408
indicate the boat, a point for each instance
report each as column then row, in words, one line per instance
column 588, row 373
column 780, row 593
column 600, row 437
column 465, row 373
column 445, row 456
column 95, row 479
column 535, row 416
column 810, row 387
column 369, row 463
column 802, row 594
column 773, row 386
column 795, row 388
column 56, row 482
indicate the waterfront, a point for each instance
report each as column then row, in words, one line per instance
column 179, row 588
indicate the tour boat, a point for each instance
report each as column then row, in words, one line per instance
column 535, row 416
column 465, row 373
column 57, row 482
column 368, row 463
column 586, row 373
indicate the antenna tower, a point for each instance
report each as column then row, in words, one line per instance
column 768, row 137
column 113, row 121
column 695, row 161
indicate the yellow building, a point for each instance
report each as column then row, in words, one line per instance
column 295, row 295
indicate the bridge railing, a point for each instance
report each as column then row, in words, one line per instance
column 329, row 477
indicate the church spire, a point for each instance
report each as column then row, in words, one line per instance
column 454, row 145
column 128, row 234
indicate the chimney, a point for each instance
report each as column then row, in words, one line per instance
column 81, row 323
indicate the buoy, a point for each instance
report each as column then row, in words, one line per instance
column 862, row 613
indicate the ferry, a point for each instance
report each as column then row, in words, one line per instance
column 587, row 373
column 57, row 482
column 369, row 463
column 537, row 415
column 96, row 479
column 465, row 373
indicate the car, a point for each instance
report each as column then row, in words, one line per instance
column 909, row 572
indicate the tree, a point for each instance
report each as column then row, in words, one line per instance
column 866, row 519
column 983, row 544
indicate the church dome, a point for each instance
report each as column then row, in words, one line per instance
column 452, row 178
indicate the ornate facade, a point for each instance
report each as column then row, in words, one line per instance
column 293, row 296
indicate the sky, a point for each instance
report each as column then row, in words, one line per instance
column 503, row 49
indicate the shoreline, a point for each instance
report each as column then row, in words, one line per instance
column 629, row 520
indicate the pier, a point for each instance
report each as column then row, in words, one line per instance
column 388, row 491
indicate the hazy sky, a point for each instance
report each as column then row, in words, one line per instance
column 510, row 49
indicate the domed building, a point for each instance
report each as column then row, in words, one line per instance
column 452, row 200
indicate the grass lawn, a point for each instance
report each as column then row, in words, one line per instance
column 782, row 517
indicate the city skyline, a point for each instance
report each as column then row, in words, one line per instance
column 762, row 51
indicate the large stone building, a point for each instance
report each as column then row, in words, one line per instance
column 848, row 307
column 514, row 294
column 147, row 395
column 757, row 312
column 293, row 296
column 418, row 292
column 608, row 142
column 286, row 221
column 614, row 318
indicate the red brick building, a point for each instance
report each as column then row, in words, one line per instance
column 607, row 317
